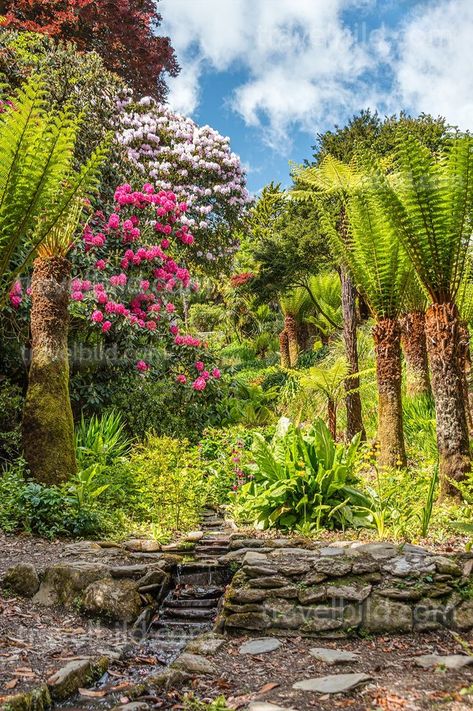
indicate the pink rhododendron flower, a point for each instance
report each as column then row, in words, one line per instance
column 216, row 373
column 100, row 264
column 199, row 366
column 170, row 308
column 106, row 326
column 199, row 384
column 142, row 366
column 77, row 296
column 97, row 316
column 114, row 221
column 181, row 379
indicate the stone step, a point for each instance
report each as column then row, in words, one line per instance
column 200, row 593
column 192, row 602
column 191, row 614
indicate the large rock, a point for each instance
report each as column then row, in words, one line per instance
column 141, row 545
column 385, row 615
column 409, row 566
column 194, row 664
column 450, row 661
column 22, row 579
column 113, row 599
column 63, row 583
column 333, row 656
column 248, row 621
column 74, row 675
column 260, row 646
column 463, row 615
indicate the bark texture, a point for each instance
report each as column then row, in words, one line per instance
column 442, row 327
column 415, row 352
column 48, row 429
column 387, row 340
column 290, row 326
column 284, row 350
column 332, row 417
column 464, row 365
column 352, row 383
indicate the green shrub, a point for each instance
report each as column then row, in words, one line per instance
column 11, row 407
column 166, row 485
column 205, row 318
column 101, row 440
column 302, row 481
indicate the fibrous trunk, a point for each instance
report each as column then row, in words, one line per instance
column 352, row 383
column 284, row 349
column 332, row 417
column 464, row 365
column 387, row 339
column 48, row 430
column 290, row 326
column 442, row 327
column 415, row 352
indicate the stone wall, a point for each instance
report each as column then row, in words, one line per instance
column 346, row 589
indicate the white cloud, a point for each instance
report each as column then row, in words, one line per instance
column 435, row 60
column 303, row 68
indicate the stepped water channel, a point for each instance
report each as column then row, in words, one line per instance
column 188, row 611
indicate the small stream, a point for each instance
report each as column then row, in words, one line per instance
column 188, row 611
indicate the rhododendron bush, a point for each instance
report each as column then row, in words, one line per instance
column 129, row 281
column 173, row 152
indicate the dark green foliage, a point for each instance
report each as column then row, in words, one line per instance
column 11, row 405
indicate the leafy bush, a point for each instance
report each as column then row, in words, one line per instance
column 11, row 406
column 166, row 485
column 205, row 318
column 302, row 481
column 101, row 440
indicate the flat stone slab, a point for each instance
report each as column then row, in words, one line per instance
column 333, row 684
column 265, row 706
column 450, row 661
column 260, row 646
column 333, row 656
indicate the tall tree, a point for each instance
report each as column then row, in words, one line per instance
column 414, row 343
column 376, row 261
column 124, row 33
column 429, row 204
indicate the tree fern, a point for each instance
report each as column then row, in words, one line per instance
column 38, row 184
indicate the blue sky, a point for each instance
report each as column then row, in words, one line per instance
column 271, row 74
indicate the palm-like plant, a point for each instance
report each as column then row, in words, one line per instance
column 40, row 205
column 37, row 180
column 329, row 381
column 429, row 204
column 295, row 306
column 370, row 251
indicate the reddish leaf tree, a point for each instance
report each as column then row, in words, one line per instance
column 123, row 32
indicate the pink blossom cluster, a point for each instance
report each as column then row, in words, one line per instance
column 138, row 273
column 16, row 295
column 203, row 376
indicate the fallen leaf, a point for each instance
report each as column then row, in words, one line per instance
column 267, row 687
column 10, row 684
column 91, row 694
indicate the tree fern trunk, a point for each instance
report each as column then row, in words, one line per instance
column 352, row 397
column 387, row 339
column 48, row 430
column 443, row 344
column 284, row 349
column 290, row 327
column 332, row 417
column 464, row 365
column 415, row 352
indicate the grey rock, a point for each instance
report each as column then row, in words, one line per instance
column 83, row 548
column 289, row 592
column 78, row 673
column 314, row 578
column 239, row 543
column 463, row 615
column 385, row 615
column 207, row 645
column 409, row 566
column 194, row 536
column 379, row 551
column 331, row 551
column 333, row 656
column 129, row 571
column 333, row 684
column 22, row 579
column 141, row 545
column 132, row 706
column 256, row 571
column 194, row 664
column 248, row 621
column 260, row 646
column 112, row 599
column 63, row 583
column 431, row 615
column 446, row 566
column 365, row 564
column 265, row 706
column 276, row 581
column 246, row 595
column 309, row 595
column 353, row 590
column 451, row 661
column 334, row 567
column 401, row 591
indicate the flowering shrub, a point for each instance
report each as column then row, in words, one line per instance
column 197, row 163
